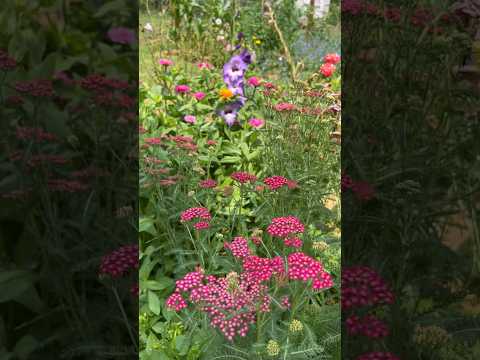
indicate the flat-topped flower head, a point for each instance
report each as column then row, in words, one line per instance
column 283, row 107
column 195, row 213
column 238, row 247
column 275, row 182
column 243, row 177
column 282, row 227
column 120, row 261
column 362, row 286
column 293, row 242
column 208, row 184
column 176, row 302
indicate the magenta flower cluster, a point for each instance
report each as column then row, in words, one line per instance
column 200, row 213
column 362, row 286
column 120, row 262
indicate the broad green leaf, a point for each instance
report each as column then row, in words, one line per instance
column 154, row 303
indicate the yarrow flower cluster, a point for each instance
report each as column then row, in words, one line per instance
column 369, row 326
column 230, row 302
column 276, row 182
column 238, row 247
column 362, row 286
column 304, row 268
column 363, row 190
column 120, row 261
column 243, row 177
column 200, row 213
column 35, row 88
column 283, row 227
column 208, row 184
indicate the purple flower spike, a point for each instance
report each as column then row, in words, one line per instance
column 230, row 111
column 234, row 70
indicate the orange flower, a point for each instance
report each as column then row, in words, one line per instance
column 226, row 94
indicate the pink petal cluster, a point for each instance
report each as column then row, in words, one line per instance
column 378, row 355
column 197, row 213
column 190, row 119
column 284, row 226
column 199, row 95
column 201, row 225
column 303, row 267
column 238, row 247
column 182, row 89
column 275, row 182
column 207, row 184
column 120, row 261
column 262, row 269
column 327, row 69
column 35, row 88
column 231, row 307
column 331, row 59
column 293, row 242
column 253, row 81
column 285, row 302
column 256, row 123
column 284, row 107
column 165, row 62
column 362, row 286
column 176, row 302
column 369, row 326
column 243, row 177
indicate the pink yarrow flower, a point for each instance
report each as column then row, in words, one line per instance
column 238, row 247
column 275, row 182
column 243, row 177
column 194, row 213
column 284, row 107
column 282, row 227
column 207, row 184
column 256, row 123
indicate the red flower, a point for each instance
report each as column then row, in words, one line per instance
column 327, row 69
